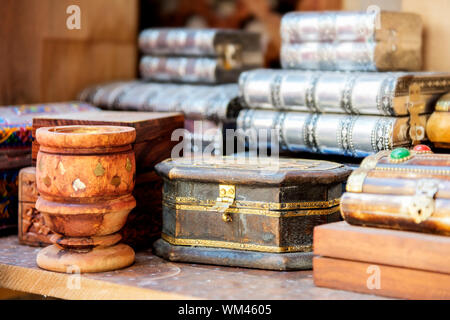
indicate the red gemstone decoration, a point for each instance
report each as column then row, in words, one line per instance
column 422, row 148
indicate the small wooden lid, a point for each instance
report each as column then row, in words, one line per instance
column 84, row 137
column 253, row 170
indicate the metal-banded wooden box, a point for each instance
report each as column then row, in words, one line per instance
column 401, row 189
column 246, row 212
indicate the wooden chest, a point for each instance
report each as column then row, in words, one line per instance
column 246, row 212
column 401, row 189
column 153, row 144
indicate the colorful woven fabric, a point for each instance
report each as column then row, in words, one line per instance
column 8, row 199
column 16, row 121
column 15, row 136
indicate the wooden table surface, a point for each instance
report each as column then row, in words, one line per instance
column 154, row 278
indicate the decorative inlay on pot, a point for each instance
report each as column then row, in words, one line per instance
column 85, row 176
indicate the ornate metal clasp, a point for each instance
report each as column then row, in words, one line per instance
column 231, row 55
column 415, row 107
column 227, row 195
column 422, row 203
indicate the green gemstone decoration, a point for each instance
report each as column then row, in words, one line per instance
column 99, row 170
column 128, row 166
column 400, row 153
column 115, row 181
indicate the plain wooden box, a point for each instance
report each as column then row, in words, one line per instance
column 410, row 265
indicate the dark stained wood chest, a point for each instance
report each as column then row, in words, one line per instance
column 250, row 213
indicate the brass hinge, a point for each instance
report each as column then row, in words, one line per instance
column 422, row 205
column 415, row 107
column 227, row 195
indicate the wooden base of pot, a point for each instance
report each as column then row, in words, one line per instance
column 233, row 257
column 98, row 259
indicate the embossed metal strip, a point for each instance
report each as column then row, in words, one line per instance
column 310, row 132
column 346, row 100
column 381, row 135
column 234, row 245
column 420, row 169
column 345, row 135
column 259, row 205
column 262, row 212
column 279, row 128
column 310, row 95
column 275, row 91
column 385, row 96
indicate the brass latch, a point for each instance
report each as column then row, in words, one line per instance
column 227, row 194
column 415, row 107
column 422, row 203
column 231, row 55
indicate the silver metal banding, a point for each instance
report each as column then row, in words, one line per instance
column 314, row 91
column 328, row 26
column 344, row 56
column 179, row 69
column 353, row 135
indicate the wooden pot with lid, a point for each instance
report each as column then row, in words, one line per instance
column 85, row 176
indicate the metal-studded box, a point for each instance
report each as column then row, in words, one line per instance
column 401, row 189
column 246, row 212
column 351, row 41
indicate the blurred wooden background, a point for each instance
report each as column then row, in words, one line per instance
column 41, row 60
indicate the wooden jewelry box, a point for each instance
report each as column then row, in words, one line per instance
column 395, row 240
column 246, row 212
column 401, row 189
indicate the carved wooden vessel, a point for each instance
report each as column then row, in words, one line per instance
column 153, row 132
column 85, row 176
column 247, row 212
column 401, row 189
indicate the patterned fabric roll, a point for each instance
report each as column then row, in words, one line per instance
column 16, row 121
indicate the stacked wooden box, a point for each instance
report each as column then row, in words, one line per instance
column 395, row 241
column 316, row 105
